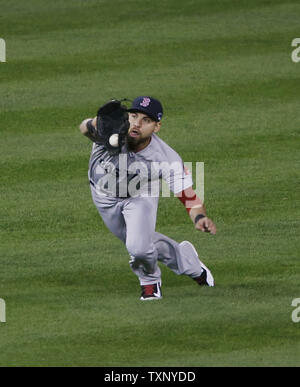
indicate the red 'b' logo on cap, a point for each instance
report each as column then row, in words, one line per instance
column 146, row 102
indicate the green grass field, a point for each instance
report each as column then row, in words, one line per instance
column 230, row 90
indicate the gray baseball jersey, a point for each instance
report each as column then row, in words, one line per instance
column 138, row 174
column 126, row 198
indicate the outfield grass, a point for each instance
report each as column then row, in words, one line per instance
column 224, row 73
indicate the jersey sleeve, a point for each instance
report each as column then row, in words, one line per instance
column 176, row 175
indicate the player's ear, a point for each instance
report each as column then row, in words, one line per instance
column 157, row 127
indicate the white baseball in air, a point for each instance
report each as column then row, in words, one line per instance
column 114, row 140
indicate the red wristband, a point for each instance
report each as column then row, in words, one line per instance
column 187, row 201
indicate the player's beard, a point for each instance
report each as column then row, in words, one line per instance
column 135, row 143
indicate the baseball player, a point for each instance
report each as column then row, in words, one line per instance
column 127, row 162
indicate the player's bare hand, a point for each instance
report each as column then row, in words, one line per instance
column 206, row 225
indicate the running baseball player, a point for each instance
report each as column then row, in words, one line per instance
column 127, row 162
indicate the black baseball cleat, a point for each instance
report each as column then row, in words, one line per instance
column 205, row 279
column 191, row 255
column 151, row 292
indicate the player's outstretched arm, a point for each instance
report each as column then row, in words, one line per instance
column 196, row 210
column 88, row 128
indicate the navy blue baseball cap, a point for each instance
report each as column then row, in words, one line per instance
column 147, row 105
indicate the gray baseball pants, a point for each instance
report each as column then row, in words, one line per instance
column 133, row 221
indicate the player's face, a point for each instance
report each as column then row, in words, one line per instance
column 141, row 128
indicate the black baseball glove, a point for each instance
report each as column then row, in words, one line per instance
column 112, row 118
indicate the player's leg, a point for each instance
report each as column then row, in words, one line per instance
column 133, row 221
column 182, row 258
column 110, row 210
column 140, row 218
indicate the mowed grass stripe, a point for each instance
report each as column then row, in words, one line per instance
column 253, row 18
column 170, row 339
column 239, row 93
column 47, row 62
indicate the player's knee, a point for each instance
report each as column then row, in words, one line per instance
column 139, row 251
column 148, row 265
